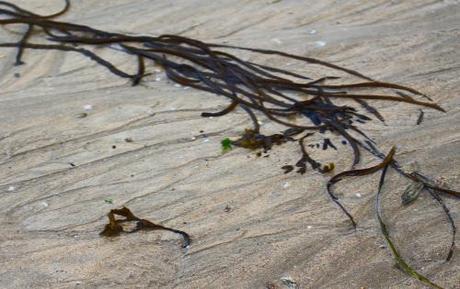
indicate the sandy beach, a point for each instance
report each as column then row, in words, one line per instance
column 77, row 141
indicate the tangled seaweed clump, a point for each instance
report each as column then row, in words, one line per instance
column 303, row 106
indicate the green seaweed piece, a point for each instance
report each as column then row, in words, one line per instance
column 226, row 145
column 411, row 193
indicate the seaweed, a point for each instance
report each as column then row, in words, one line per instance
column 360, row 172
column 287, row 168
column 115, row 226
column 400, row 262
column 303, row 106
column 420, row 117
column 327, row 143
column 411, row 193
column 226, row 144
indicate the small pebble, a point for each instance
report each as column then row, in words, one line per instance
column 309, row 227
column 158, row 78
column 87, row 107
column 313, row 31
column 45, row 204
column 11, row 188
column 358, row 195
column 177, row 85
column 193, row 138
column 82, row 115
column 286, row 185
column 206, row 140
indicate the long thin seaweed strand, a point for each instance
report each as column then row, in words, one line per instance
column 403, row 265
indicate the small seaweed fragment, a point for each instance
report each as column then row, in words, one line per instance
column 226, row 144
column 420, row 117
column 411, row 193
column 253, row 140
column 327, row 143
column 108, row 200
column 400, row 262
column 328, row 168
column 115, row 228
column 287, row 169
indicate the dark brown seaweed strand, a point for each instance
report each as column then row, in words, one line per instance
column 430, row 184
column 370, row 109
column 400, row 93
column 420, row 117
column 359, row 172
column 21, row 43
column 228, row 109
column 278, row 70
column 297, row 57
column 28, row 13
column 449, row 218
column 351, row 140
column 83, row 51
column 374, row 84
column 379, row 97
column 402, row 264
column 140, row 70
column 253, row 117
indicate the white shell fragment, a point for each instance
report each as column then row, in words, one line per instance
column 320, row 43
